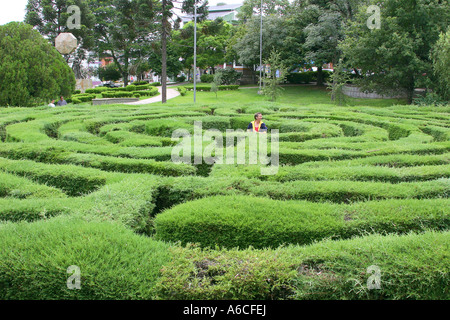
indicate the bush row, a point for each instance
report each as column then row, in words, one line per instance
column 30, row 210
column 208, row 88
column 182, row 91
column 307, row 77
column 108, row 163
column 36, row 269
column 125, row 165
column 173, row 191
column 413, row 266
column 129, row 94
column 291, row 156
column 50, row 151
column 390, row 161
column 127, row 138
column 354, row 173
column 73, row 180
column 18, row 187
column 78, row 98
column 129, row 201
column 260, row 222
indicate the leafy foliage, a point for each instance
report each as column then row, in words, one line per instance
column 395, row 57
column 32, row 71
column 277, row 74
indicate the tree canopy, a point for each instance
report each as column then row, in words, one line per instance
column 32, row 71
column 396, row 57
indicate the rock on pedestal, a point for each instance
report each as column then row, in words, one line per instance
column 66, row 43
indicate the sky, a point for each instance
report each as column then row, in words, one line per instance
column 12, row 10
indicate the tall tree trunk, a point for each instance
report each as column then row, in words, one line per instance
column 319, row 76
column 125, row 69
column 164, row 54
column 410, row 90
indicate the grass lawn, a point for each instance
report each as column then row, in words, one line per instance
column 293, row 95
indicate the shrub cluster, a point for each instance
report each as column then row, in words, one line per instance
column 36, row 269
column 79, row 98
column 329, row 270
column 117, row 94
column 207, row 78
column 181, row 79
column 239, row 224
column 128, row 94
column 139, row 83
column 208, row 88
column 97, row 90
column 182, row 91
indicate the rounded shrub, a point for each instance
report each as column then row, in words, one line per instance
column 36, row 269
column 32, row 71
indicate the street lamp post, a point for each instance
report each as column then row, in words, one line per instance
column 260, row 49
column 195, row 51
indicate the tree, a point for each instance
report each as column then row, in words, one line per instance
column 50, row 18
column 322, row 40
column 227, row 76
column 216, row 83
column 188, row 6
column 441, row 65
column 277, row 74
column 212, row 38
column 121, row 27
column 109, row 73
column 339, row 79
column 270, row 7
column 247, row 46
column 173, row 64
column 32, row 71
column 395, row 57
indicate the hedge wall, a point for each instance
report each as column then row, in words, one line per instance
column 36, row 269
column 238, row 221
column 412, row 266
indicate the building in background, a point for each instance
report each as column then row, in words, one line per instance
column 228, row 12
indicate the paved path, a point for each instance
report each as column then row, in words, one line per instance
column 171, row 93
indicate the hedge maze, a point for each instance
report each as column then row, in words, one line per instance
column 95, row 187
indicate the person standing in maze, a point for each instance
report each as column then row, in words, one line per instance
column 257, row 125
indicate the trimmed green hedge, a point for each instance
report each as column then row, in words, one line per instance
column 301, row 77
column 208, row 88
column 173, row 191
column 97, row 90
column 182, row 91
column 324, row 172
column 207, row 78
column 129, row 165
column 18, row 187
column 114, row 262
column 413, row 266
column 73, row 180
column 34, row 209
column 117, row 94
column 242, row 221
column 129, row 201
column 127, row 138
